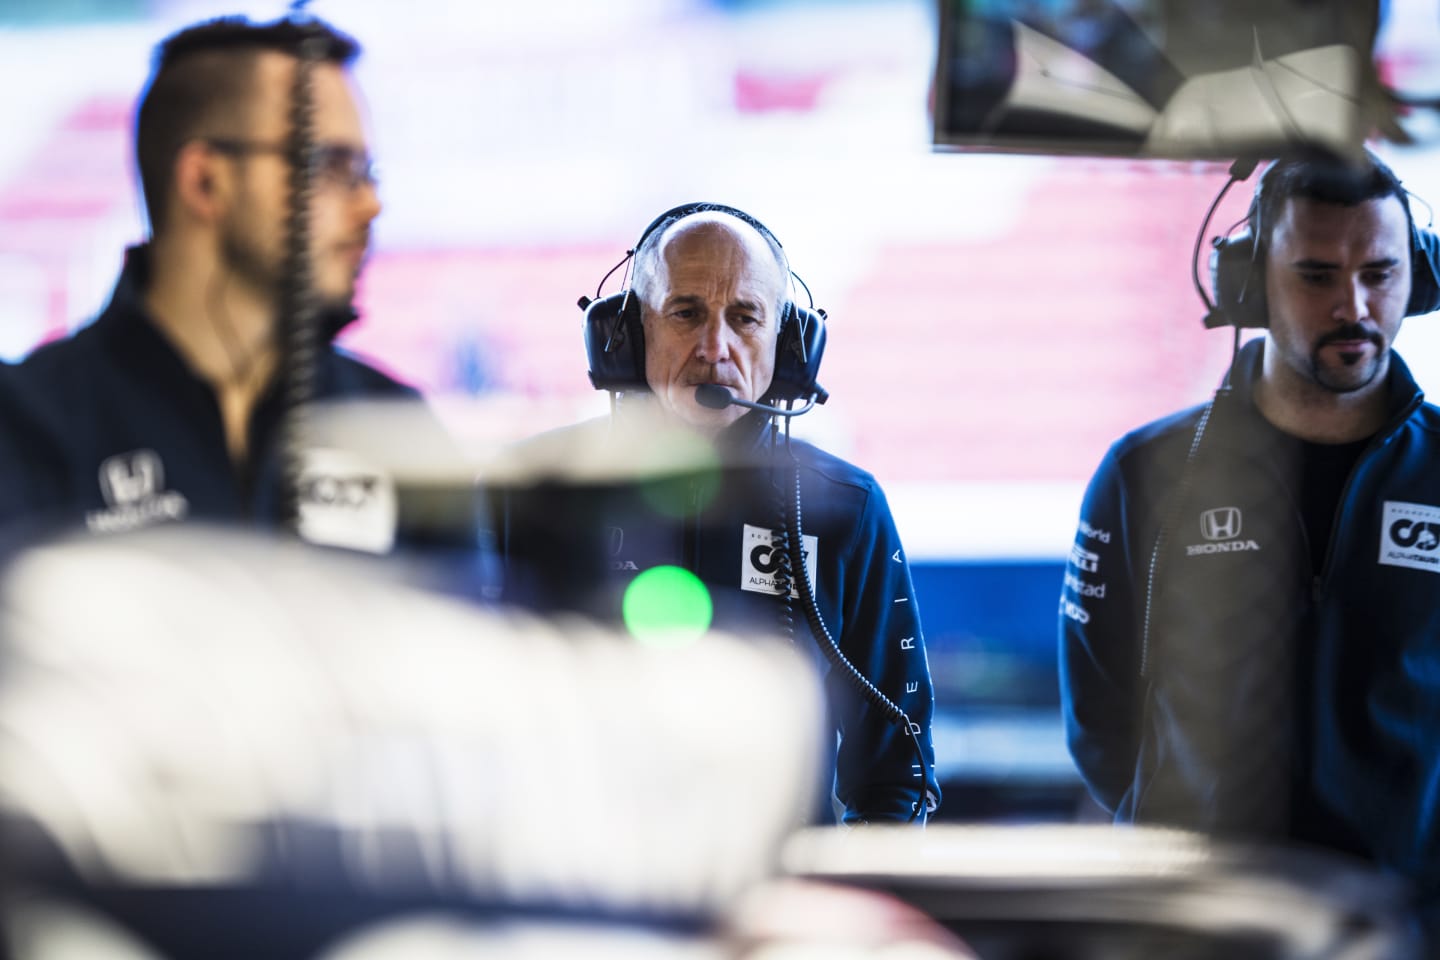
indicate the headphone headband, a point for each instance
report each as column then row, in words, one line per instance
column 1237, row 263
column 615, row 336
column 689, row 209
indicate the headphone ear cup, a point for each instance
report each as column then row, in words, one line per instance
column 1424, row 274
column 798, row 351
column 1237, row 280
column 615, row 343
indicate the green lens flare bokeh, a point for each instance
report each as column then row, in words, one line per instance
column 667, row 607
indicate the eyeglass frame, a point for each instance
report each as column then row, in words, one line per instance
column 360, row 167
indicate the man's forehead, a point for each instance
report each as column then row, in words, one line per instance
column 1307, row 216
column 713, row 244
column 336, row 100
column 1311, row 210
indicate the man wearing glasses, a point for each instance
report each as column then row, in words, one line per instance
column 170, row 405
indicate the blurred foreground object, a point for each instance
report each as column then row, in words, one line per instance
column 1087, row 893
column 235, row 747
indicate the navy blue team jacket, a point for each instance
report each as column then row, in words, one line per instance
column 109, row 429
column 1336, row 670
column 579, row 548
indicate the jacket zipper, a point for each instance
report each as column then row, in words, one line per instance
column 1317, row 589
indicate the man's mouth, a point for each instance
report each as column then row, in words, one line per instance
column 1350, row 339
column 353, row 250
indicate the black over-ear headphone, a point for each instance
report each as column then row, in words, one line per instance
column 1237, row 263
column 615, row 339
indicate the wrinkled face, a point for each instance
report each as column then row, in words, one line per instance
column 253, row 232
column 1337, row 280
column 709, row 313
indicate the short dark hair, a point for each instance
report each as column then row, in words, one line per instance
column 1326, row 179
column 207, row 70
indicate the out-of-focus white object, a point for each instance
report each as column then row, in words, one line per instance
column 1105, row 891
column 442, row 937
column 189, row 709
column 38, row 928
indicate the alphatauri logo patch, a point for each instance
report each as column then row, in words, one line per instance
column 1410, row 536
column 345, row 501
column 760, row 568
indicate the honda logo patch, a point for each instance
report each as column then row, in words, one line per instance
column 1222, row 523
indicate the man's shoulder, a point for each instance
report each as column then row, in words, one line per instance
column 43, row 389
column 1158, row 437
column 58, row 358
column 1427, row 418
column 352, row 375
column 831, row 467
column 837, row 493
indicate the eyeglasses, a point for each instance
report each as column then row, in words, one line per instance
column 333, row 164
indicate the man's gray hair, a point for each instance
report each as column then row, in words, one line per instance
column 647, row 254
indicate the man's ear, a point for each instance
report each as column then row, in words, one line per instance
column 201, row 182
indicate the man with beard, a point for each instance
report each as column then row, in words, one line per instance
column 170, row 405
column 1250, row 621
column 706, row 328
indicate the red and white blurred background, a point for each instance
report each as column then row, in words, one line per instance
column 995, row 320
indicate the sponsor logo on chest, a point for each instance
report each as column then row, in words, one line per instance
column 614, row 544
column 761, row 561
column 1410, row 536
column 1221, row 528
column 345, row 501
column 133, row 485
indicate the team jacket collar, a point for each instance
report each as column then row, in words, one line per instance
column 127, row 305
column 751, row 433
column 1403, row 392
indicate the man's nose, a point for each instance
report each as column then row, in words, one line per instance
column 713, row 345
column 367, row 200
column 1352, row 301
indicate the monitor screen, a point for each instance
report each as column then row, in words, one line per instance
column 1202, row 79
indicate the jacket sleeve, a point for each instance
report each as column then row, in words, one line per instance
column 1100, row 638
column 878, row 771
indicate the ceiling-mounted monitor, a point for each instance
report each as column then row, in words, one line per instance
column 1204, row 79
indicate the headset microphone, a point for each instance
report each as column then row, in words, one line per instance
column 716, row 397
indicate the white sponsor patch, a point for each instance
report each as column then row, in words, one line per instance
column 1410, row 536
column 760, row 561
column 346, row 502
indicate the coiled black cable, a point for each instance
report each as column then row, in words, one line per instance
column 785, row 572
column 299, row 316
column 792, row 548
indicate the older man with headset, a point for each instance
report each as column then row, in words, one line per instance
column 705, row 343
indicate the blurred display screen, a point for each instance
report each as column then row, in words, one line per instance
column 1156, row 78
